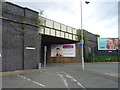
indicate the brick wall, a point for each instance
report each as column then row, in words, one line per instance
column 19, row 30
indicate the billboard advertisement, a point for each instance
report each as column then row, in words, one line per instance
column 63, row 50
column 107, row 43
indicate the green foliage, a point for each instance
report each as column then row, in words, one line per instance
column 103, row 58
column 85, row 36
column 90, row 57
column 97, row 36
column 41, row 21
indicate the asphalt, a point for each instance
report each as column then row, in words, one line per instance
column 64, row 75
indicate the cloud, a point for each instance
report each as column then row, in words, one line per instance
column 60, row 0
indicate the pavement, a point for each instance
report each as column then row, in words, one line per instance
column 65, row 75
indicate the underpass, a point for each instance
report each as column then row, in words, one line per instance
column 55, row 33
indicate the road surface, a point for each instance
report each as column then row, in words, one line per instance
column 64, row 75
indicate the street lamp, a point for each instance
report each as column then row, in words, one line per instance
column 87, row 2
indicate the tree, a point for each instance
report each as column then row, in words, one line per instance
column 97, row 36
column 85, row 35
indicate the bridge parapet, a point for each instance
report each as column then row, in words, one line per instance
column 53, row 28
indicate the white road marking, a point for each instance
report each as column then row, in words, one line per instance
column 73, row 79
column 63, row 79
column 112, row 74
column 32, row 81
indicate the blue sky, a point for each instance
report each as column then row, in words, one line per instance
column 99, row 16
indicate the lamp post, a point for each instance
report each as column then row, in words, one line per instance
column 82, row 36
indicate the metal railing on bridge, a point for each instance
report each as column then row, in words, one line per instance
column 53, row 28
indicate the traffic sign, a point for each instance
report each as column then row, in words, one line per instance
column 80, row 45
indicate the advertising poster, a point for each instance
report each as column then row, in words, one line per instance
column 63, row 50
column 107, row 44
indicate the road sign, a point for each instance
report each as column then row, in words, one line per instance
column 80, row 45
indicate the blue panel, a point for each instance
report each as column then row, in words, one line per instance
column 80, row 45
